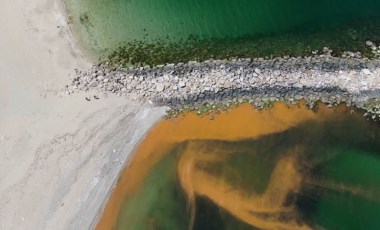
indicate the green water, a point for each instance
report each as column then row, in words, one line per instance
column 162, row 189
column 339, row 161
column 108, row 24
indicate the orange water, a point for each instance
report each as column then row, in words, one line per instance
column 240, row 123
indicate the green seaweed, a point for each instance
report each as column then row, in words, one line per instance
column 347, row 37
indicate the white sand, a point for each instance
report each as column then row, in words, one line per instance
column 59, row 154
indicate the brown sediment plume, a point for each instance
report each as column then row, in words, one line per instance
column 265, row 211
column 240, row 123
column 187, row 170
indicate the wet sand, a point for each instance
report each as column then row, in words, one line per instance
column 230, row 125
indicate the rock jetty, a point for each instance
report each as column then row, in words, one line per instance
column 320, row 77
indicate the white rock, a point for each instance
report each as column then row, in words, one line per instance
column 160, row 87
column 304, row 82
column 181, row 84
column 258, row 71
column 366, row 71
column 276, row 73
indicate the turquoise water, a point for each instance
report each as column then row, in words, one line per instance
column 338, row 162
column 106, row 25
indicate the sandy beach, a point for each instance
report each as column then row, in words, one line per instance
column 59, row 154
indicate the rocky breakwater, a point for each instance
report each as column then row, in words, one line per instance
column 320, row 77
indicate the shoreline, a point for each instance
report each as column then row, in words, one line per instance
column 59, row 155
column 70, row 33
column 87, row 54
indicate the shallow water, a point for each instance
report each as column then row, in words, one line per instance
column 104, row 24
column 283, row 168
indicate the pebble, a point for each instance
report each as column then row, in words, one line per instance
column 366, row 71
column 369, row 43
column 276, row 73
column 160, row 87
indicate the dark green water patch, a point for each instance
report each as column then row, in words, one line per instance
column 161, row 204
column 242, row 162
column 211, row 217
